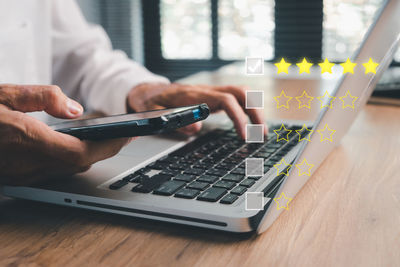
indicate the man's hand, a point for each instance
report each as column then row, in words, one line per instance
column 231, row 99
column 29, row 149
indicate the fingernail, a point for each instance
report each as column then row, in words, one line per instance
column 74, row 108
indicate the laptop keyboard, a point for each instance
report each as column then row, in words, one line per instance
column 211, row 168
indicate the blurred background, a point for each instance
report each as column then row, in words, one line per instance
column 176, row 38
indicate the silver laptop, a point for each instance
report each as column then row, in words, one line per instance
column 202, row 181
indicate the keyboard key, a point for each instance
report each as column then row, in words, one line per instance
column 148, row 185
column 212, row 194
column 241, row 171
column 239, row 190
column 178, row 166
column 217, row 172
column 225, row 166
column 168, row 188
column 118, row 184
column 194, row 171
column 225, row 184
column 198, row 185
column 187, row 193
column 185, row 177
column 207, row 178
column 247, row 183
column 229, row 199
column 170, row 172
column 233, row 177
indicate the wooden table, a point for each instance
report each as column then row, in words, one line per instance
column 348, row 214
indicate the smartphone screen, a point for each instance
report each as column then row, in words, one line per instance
column 117, row 118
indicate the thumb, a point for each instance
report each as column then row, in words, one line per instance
column 49, row 98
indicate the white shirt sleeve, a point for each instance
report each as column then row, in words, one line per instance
column 86, row 67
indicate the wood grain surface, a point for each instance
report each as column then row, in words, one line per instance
column 348, row 214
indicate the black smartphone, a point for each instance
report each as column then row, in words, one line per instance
column 135, row 124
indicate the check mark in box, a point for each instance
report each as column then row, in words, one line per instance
column 254, row 167
column 254, row 133
column 254, row 200
column 254, row 99
column 254, row 65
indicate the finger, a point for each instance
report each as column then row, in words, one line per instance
column 192, row 128
column 99, row 150
column 50, row 98
column 231, row 106
column 256, row 115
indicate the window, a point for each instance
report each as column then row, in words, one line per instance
column 186, row 29
column 345, row 24
column 246, row 28
column 182, row 37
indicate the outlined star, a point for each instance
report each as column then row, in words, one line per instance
column 305, row 129
column 282, row 66
column 278, row 138
column 307, row 98
column 326, row 66
column 304, row 66
column 323, row 133
column 279, row 201
column 370, row 66
column 286, row 168
column 345, row 98
column 302, row 170
column 282, row 95
column 330, row 100
column 348, row 66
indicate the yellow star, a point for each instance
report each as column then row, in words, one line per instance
column 330, row 100
column 307, row 98
column 326, row 66
column 348, row 66
column 278, row 138
column 286, row 166
column 322, row 133
column 305, row 129
column 370, row 66
column 304, row 66
column 347, row 96
column 282, row 66
column 306, row 171
column 278, row 202
column 277, row 99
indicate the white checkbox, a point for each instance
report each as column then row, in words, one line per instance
column 254, row 65
column 254, row 200
column 255, row 99
column 254, row 133
column 254, row 167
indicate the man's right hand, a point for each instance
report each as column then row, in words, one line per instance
column 29, row 149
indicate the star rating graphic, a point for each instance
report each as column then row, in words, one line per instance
column 304, row 168
column 282, row 202
column 348, row 66
column 301, row 132
column 304, row 98
column 285, row 169
column 370, row 66
column 325, row 132
column 280, row 99
column 282, row 66
column 326, row 66
column 348, row 98
column 304, row 66
column 278, row 133
column 326, row 98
